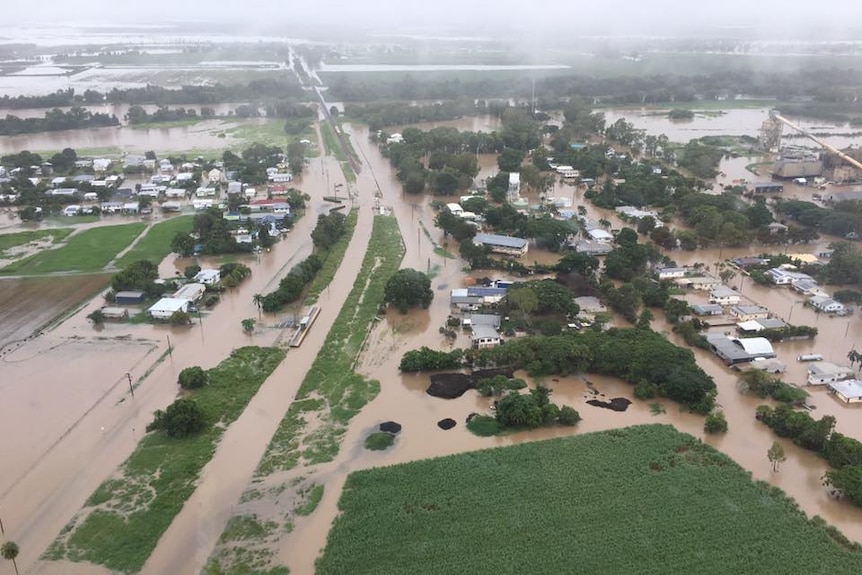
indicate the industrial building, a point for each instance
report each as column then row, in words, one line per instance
column 734, row 350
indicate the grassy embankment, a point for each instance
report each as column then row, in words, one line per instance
column 644, row 499
column 332, row 390
column 125, row 517
column 19, row 239
column 157, row 243
column 88, row 251
column 333, row 146
column 333, row 260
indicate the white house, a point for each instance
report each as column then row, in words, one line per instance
column 214, row 176
column 205, row 192
column 701, row 283
column 101, row 164
column 202, row 204
column 724, row 295
column 848, row 391
column 71, row 210
column 827, row 304
column 600, row 235
column 191, row 292
column 484, row 336
column 823, row 372
column 281, row 178
column 167, row 306
column 749, row 312
column 208, row 277
column 455, row 209
column 395, row 138
column 671, row 273
column 781, row 276
column 175, row 193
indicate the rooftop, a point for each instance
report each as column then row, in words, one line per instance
column 849, row 388
column 484, row 332
column 504, row 241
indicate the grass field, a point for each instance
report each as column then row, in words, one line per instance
column 87, row 251
column 125, row 517
column 157, row 243
column 645, row 499
column 331, row 389
column 17, row 239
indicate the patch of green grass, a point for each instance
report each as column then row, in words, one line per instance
column 331, row 377
column 89, row 250
column 334, row 257
column 657, row 409
column 379, row 441
column 484, row 426
column 137, row 507
column 157, row 243
column 312, row 496
column 331, row 143
column 9, row 241
column 269, row 132
column 246, row 527
column 72, row 220
column 663, row 498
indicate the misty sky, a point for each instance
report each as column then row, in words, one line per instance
column 786, row 18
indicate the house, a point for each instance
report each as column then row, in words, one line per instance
column 590, row 304
column 191, row 292
column 701, row 283
column 101, row 165
column 214, row 176
column 593, row 248
column 168, row 306
column 165, row 166
column 455, row 209
column 234, row 188
column 708, row 309
column 670, row 273
column 823, row 372
column 636, row 213
column 734, row 350
column 600, row 235
column 805, row 286
column 281, row 178
column 208, row 277
column 782, row 276
column 395, row 138
column 115, row 313
column 202, row 204
column 91, row 197
column 172, row 206
column 175, row 193
column 747, row 263
column 848, row 391
column 149, row 164
column 71, row 210
column 484, row 336
column 129, row 297
column 131, row 208
column 757, row 325
column 514, row 185
column 473, row 320
column 724, row 295
column 476, row 296
column 111, row 207
column 205, row 192
column 776, row 228
column 827, row 304
column 184, row 178
column 749, row 312
column 59, row 181
column 768, row 365
column 81, row 164
column 63, row 192
column 507, row 245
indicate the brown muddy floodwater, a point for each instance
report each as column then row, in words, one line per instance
column 203, row 135
column 403, row 398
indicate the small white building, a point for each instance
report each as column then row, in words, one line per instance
column 208, row 277
column 823, row 372
column 455, row 209
column 172, row 206
column 827, row 304
column 175, row 193
column 72, row 210
column 167, row 306
column 214, row 176
column 724, row 295
column 600, row 235
column 281, row 178
column 700, row 283
column 484, row 336
column 234, row 188
column 101, row 165
column 749, row 312
column 201, row 205
column 848, row 391
column 205, row 192
column 191, row 292
column 671, row 273
column 131, row 208
column 395, row 138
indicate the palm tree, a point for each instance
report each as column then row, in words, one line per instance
column 605, row 223
column 9, row 551
column 854, row 356
column 258, row 301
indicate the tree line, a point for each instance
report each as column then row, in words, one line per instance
column 55, row 120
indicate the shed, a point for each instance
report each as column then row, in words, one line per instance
column 115, row 313
column 129, row 297
column 167, row 306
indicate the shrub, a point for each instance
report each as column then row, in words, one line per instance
column 193, row 378
column 180, row 318
column 715, row 423
column 484, row 426
column 182, row 418
column 568, row 416
column 379, row 441
column 191, row 271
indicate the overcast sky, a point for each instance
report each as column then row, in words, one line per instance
column 787, row 18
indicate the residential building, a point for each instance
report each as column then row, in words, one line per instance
column 827, row 304
column 455, row 208
column 848, row 391
column 507, row 245
column 776, row 228
column 592, row 248
column 734, row 350
column 757, row 325
column 168, row 306
column 708, row 309
column 114, row 313
column 823, row 372
column 208, row 277
column 805, row 286
column 700, row 283
column 484, row 336
column 205, row 192
column 191, row 291
column 637, row 213
column 749, row 312
column 477, row 296
column 671, row 273
column 473, row 320
column 724, row 295
column 767, row 188
column 590, row 304
column 783, row 276
column 600, row 235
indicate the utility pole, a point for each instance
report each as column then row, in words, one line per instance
column 131, row 389
column 170, row 347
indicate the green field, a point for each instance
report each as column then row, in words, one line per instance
column 125, row 517
column 644, row 499
column 87, row 251
column 17, row 239
column 157, row 243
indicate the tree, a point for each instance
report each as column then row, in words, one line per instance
column 248, row 325
column 510, row 160
column 568, row 416
column 407, row 288
column 193, row 378
column 191, row 271
column 9, row 551
column 847, row 481
column 183, row 244
column 182, row 418
column 776, row 455
column 715, row 423
column 97, row 317
column 258, row 301
column 179, row 318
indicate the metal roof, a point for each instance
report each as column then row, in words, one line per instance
column 850, row 388
column 504, row 241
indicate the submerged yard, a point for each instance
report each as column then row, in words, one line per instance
column 644, row 499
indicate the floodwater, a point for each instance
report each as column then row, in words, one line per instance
column 485, row 123
column 434, row 67
column 203, row 135
column 730, row 122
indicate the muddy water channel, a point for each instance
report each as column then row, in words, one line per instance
column 403, row 398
